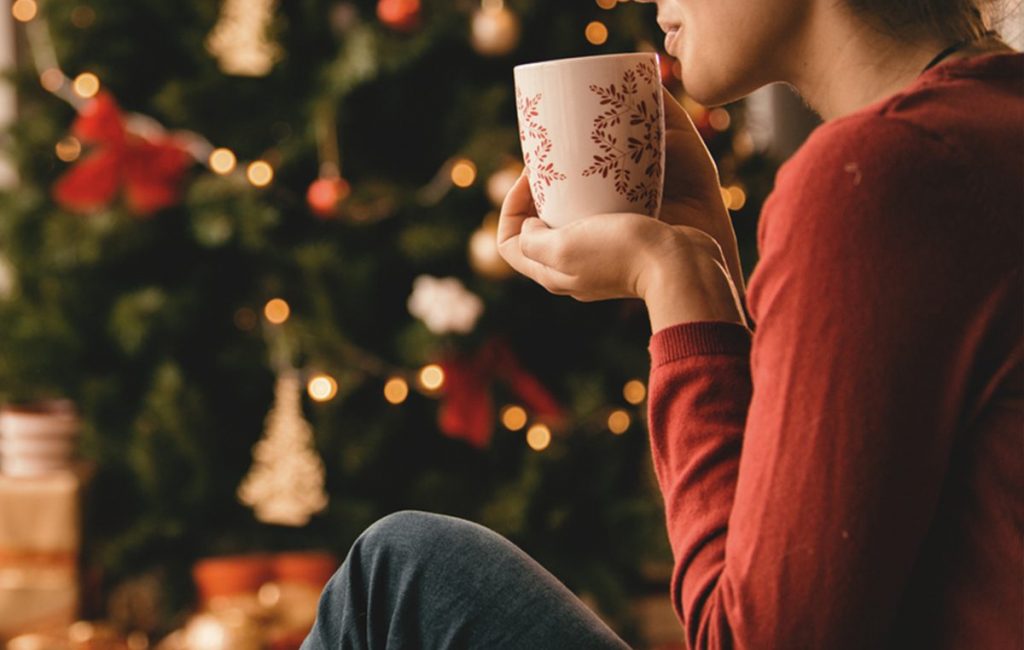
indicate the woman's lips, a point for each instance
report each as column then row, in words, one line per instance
column 671, row 35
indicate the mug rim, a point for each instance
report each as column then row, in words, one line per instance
column 576, row 59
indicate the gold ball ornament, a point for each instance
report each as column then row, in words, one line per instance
column 494, row 31
column 483, row 251
column 501, row 181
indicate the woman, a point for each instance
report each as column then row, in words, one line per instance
column 848, row 474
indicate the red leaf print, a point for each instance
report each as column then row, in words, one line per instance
column 626, row 104
column 544, row 172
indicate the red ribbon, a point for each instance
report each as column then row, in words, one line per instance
column 149, row 171
column 467, row 409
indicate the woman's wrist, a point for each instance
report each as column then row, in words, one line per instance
column 686, row 284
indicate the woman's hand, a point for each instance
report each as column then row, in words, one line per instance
column 678, row 271
column 692, row 188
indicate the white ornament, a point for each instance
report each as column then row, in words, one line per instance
column 285, row 485
column 444, row 305
column 239, row 39
column 494, row 30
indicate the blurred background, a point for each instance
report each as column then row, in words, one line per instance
column 250, row 302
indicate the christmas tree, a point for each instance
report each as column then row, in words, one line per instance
column 215, row 195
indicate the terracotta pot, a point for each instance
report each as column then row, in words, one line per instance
column 231, row 574
column 312, row 568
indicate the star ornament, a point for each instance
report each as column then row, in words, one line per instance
column 147, row 172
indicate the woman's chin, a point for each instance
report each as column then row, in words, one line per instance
column 705, row 86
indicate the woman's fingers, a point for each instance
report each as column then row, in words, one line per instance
column 517, row 211
column 517, row 207
column 542, row 244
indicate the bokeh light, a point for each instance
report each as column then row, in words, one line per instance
column 538, row 437
column 618, row 422
column 596, row 33
column 513, row 417
column 719, row 119
column 24, row 10
column 737, row 197
column 277, row 311
column 222, row 160
column 69, row 149
column 464, row 173
column 322, row 387
column 432, row 377
column 396, row 390
column 87, row 85
column 260, row 173
column 634, row 391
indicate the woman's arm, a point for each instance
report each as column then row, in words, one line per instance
column 801, row 466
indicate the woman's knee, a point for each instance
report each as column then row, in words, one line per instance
column 411, row 535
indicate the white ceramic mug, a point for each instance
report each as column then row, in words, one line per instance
column 592, row 131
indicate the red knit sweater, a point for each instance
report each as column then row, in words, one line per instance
column 851, row 473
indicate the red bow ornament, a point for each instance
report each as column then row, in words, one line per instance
column 467, row 409
column 148, row 170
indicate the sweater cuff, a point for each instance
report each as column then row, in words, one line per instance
column 699, row 338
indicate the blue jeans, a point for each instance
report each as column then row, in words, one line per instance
column 419, row 581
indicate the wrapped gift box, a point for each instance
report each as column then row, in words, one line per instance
column 40, row 538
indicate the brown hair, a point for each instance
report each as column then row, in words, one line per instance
column 957, row 20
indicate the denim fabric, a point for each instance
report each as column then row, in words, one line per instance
column 421, row 581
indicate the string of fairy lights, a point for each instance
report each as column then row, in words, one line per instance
column 459, row 171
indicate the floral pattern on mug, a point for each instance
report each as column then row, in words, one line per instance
column 624, row 102
column 542, row 171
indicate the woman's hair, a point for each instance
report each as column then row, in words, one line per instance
column 957, row 20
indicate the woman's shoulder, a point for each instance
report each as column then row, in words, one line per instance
column 948, row 149
column 969, row 108
column 963, row 118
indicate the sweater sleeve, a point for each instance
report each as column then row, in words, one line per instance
column 801, row 464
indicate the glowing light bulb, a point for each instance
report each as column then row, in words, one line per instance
column 24, row 10
column 68, row 149
column 513, row 417
column 618, row 422
column 322, row 388
column 86, row 85
column 737, row 198
column 260, row 173
column 607, row 4
column 432, row 377
column 634, row 391
column 719, row 119
column 222, row 160
column 464, row 173
column 596, row 33
column 396, row 390
column 277, row 311
column 538, row 437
